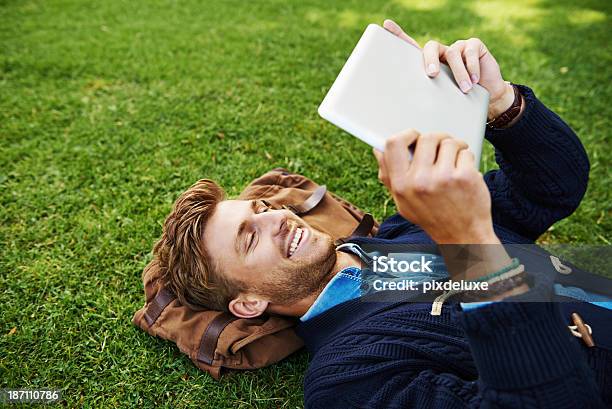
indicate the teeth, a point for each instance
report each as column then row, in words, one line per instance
column 295, row 241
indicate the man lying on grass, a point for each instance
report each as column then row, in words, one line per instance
column 252, row 260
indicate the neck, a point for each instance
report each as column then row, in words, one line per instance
column 344, row 260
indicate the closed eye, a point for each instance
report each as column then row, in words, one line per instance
column 260, row 206
column 251, row 241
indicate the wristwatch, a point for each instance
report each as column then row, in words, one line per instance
column 509, row 114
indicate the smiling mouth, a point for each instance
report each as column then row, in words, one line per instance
column 295, row 241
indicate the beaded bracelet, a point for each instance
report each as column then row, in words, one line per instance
column 513, row 265
column 500, row 282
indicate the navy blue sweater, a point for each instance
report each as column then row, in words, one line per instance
column 511, row 355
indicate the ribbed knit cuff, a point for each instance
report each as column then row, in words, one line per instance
column 520, row 345
column 526, row 130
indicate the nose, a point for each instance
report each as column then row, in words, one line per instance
column 274, row 222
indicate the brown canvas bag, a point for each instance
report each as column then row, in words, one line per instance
column 214, row 340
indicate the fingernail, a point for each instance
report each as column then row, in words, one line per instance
column 474, row 78
column 432, row 69
column 465, row 86
column 391, row 23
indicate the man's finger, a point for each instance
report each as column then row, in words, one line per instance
column 432, row 52
column 382, row 170
column 397, row 156
column 454, row 58
column 426, row 149
column 379, row 156
column 465, row 159
column 471, row 53
column 447, row 154
column 394, row 28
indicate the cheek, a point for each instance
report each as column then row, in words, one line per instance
column 267, row 255
column 321, row 240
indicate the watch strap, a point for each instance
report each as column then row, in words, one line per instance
column 510, row 114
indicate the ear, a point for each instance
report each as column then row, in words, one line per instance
column 247, row 307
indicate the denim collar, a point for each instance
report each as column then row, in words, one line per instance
column 344, row 286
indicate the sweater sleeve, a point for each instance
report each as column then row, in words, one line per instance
column 524, row 350
column 543, row 170
column 524, row 354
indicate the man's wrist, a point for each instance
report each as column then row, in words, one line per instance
column 501, row 102
column 474, row 260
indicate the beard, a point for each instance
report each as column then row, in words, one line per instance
column 295, row 280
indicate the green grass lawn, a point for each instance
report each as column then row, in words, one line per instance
column 108, row 111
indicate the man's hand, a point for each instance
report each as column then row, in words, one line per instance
column 440, row 189
column 471, row 63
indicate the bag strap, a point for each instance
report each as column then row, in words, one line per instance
column 364, row 227
column 208, row 344
column 362, row 230
column 307, row 205
column 157, row 305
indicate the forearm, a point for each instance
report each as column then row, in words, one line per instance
column 543, row 171
column 541, row 153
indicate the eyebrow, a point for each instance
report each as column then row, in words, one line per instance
column 241, row 229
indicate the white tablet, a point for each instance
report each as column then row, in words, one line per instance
column 383, row 89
